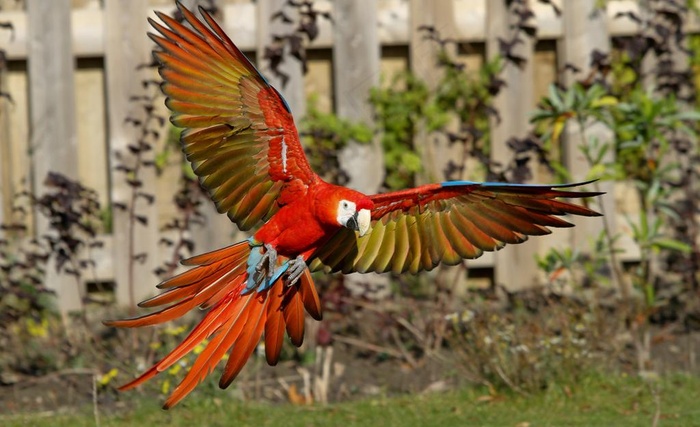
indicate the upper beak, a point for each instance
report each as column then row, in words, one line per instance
column 364, row 219
column 360, row 221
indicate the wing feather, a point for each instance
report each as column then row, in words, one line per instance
column 401, row 246
column 374, row 245
column 387, row 248
column 239, row 133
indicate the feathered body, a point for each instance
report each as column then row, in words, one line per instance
column 315, row 208
column 240, row 137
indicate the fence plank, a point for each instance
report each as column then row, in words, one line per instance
column 356, row 67
column 515, row 267
column 293, row 90
column 5, row 148
column 53, row 139
column 434, row 147
column 585, row 31
column 127, row 47
column 15, row 147
column 356, row 55
column 469, row 14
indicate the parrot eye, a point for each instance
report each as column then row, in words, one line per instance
column 346, row 207
column 346, row 210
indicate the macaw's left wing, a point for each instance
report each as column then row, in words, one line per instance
column 239, row 132
column 416, row 229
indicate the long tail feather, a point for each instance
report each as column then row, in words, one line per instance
column 274, row 329
column 293, row 310
column 236, row 319
column 307, row 289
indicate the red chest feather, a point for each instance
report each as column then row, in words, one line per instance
column 295, row 228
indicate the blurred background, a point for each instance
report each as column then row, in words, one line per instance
column 97, row 204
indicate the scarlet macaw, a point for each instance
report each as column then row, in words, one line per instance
column 240, row 137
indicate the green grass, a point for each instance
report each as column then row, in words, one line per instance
column 612, row 400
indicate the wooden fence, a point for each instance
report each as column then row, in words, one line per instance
column 72, row 69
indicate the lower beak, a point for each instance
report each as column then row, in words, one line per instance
column 352, row 223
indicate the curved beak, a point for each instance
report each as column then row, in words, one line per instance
column 364, row 218
column 360, row 221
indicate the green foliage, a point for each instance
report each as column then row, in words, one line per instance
column 399, row 109
column 407, row 104
column 324, row 135
column 652, row 137
column 644, row 125
column 536, row 342
column 578, row 102
column 468, row 95
column 575, row 268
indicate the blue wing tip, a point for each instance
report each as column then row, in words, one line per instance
column 448, row 184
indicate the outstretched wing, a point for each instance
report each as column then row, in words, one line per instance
column 416, row 229
column 239, row 132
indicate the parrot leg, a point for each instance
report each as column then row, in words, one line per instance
column 262, row 268
column 271, row 258
column 268, row 257
column 296, row 268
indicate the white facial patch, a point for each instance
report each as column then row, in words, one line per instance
column 346, row 210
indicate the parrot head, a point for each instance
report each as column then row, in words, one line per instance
column 354, row 217
column 343, row 207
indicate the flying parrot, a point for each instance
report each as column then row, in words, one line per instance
column 240, row 138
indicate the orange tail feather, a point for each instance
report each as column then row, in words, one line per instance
column 234, row 323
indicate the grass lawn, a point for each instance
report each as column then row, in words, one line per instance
column 596, row 401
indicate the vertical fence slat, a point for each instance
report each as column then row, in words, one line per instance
column 433, row 147
column 127, row 47
column 6, row 187
column 293, row 90
column 53, row 139
column 515, row 267
column 356, row 69
column 586, row 30
column 356, row 54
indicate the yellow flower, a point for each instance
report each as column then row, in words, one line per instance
column 165, row 387
column 175, row 369
column 40, row 329
column 109, row 376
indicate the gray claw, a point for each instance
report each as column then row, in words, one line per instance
column 296, row 268
column 266, row 267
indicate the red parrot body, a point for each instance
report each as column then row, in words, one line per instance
column 240, row 137
column 315, row 209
